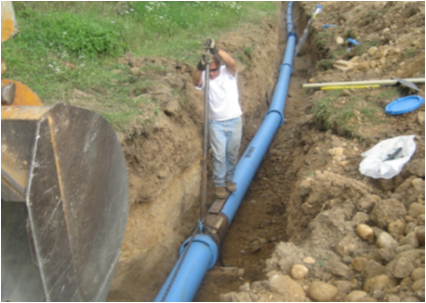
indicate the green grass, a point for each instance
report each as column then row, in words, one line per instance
column 410, row 53
column 324, row 38
column 91, row 36
column 324, row 65
column 344, row 116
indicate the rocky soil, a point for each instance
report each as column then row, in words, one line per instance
column 350, row 237
column 311, row 227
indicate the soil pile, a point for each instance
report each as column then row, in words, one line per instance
column 349, row 237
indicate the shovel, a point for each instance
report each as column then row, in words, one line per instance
column 406, row 83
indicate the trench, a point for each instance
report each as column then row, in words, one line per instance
column 260, row 222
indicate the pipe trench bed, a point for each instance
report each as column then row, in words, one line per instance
column 199, row 253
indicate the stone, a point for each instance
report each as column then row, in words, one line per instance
column 245, row 287
column 418, row 273
column 235, row 297
column 356, row 296
column 377, row 231
column 402, row 248
column 413, row 195
column 254, row 248
column 417, row 285
column 378, row 294
column 392, row 298
column 299, row 271
column 381, row 282
column 420, row 294
column 416, row 209
column 409, row 227
column 406, row 282
column 363, row 66
column 406, row 185
column 410, row 239
column 359, row 263
column 340, row 41
column 420, row 234
column 287, row 287
column 410, row 299
column 338, row 269
column 387, row 211
column 414, row 255
column 386, row 254
column 343, row 288
column 366, row 203
column 421, row 219
column 365, row 232
column 309, row 260
column 419, row 182
column 372, row 51
column 322, row 292
column 345, row 246
column 421, row 117
column 373, row 269
column 402, row 268
column 386, row 240
column 396, row 228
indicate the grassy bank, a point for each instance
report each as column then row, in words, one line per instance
column 75, row 45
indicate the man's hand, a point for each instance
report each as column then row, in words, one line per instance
column 210, row 44
column 205, row 59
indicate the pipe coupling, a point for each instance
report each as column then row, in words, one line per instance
column 206, row 240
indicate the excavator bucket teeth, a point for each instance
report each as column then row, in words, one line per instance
column 64, row 204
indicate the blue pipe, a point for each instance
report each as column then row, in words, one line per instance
column 202, row 254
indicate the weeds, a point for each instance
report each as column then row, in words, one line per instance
column 344, row 114
column 409, row 53
column 324, row 65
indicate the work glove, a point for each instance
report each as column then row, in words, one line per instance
column 210, row 44
column 205, row 59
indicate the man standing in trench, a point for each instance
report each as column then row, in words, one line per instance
column 225, row 127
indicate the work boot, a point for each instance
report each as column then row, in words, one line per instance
column 231, row 186
column 221, row 192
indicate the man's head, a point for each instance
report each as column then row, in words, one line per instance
column 215, row 67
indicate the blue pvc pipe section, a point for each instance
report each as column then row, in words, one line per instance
column 202, row 253
column 201, row 256
column 274, row 118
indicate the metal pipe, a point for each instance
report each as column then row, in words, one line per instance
column 372, row 82
column 205, row 143
column 201, row 255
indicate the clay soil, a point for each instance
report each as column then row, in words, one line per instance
column 308, row 191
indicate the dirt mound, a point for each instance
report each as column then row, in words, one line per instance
column 349, row 237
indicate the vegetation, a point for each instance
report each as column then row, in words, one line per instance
column 63, row 46
column 345, row 113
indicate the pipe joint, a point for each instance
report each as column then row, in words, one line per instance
column 284, row 64
column 206, row 240
column 292, row 34
column 278, row 112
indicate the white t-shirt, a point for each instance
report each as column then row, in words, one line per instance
column 223, row 96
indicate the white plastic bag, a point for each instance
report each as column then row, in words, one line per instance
column 387, row 158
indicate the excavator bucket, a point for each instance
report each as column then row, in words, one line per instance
column 64, row 204
column 8, row 21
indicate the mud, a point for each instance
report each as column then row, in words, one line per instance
column 308, row 195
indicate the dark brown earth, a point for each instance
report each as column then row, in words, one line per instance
column 308, row 196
